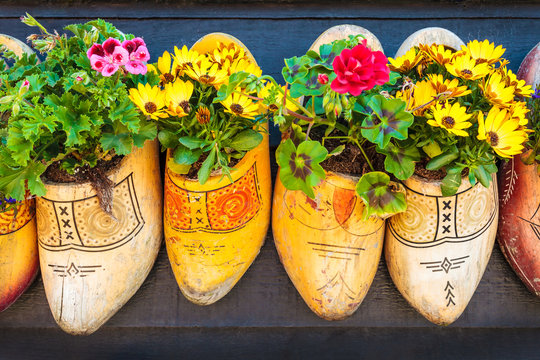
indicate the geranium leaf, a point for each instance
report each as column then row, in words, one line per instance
column 400, row 161
column 295, row 69
column 13, row 182
column 389, row 120
column 381, row 197
column 300, row 168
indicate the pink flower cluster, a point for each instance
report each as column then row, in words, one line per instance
column 109, row 56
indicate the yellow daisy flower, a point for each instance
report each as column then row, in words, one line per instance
column 452, row 118
column 441, row 85
column 405, row 63
column 149, row 99
column 166, row 72
column 438, row 53
column 484, row 52
column 265, row 92
column 231, row 52
column 184, row 58
column 207, row 73
column 240, row 105
column 496, row 92
column 419, row 97
column 242, row 65
column 522, row 89
column 466, row 68
column 504, row 135
column 177, row 96
column 519, row 111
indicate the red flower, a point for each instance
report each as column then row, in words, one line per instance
column 359, row 69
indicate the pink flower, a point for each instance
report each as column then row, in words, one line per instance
column 129, row 45
column 78, row 78
column 98, row 62
column 110, row 45
column 139, row 42
column 359, row 69
column 110, row 69
column 141, row 54
column 96, row 49
column 120, row 56
column 136, row 67
column 322, row 78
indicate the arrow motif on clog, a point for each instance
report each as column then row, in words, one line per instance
column 449, row 295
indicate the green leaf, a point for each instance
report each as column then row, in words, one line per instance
column 483, row 175
column 168, row 139
column 246, row 140
column 390, row 120
column 184, row 156
column 451, row 181
column 443, row 159
column 192, row 142
column 300, row 168
column 13, row 181
column 400, row 161
column 394, row 76
column 122, row 143
column 295, row 69
column 381, row 197
column 338, row 150
column 206, row 168
column 18, row 145
column 147, row 131
column 234, row 81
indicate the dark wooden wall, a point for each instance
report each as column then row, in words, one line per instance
column 263, row 316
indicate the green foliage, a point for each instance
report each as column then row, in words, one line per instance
column 381, row 197
column 299, row 168
column 68, row 112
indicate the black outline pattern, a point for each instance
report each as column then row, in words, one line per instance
column 136, row 210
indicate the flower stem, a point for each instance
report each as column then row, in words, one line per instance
column 365, row 155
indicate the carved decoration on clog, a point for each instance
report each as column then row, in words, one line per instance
column 438, row 249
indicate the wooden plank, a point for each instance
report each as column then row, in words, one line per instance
column 389, row 10
column 273, row 343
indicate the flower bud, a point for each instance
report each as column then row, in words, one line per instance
column 25, row 86
column 323, row 79
column 279, row 120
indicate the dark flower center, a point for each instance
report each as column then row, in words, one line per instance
column 273, row 107
column 466, row 72
column 150, row 107
column 168, row 77
column 448, row 122
column 185, row 106
column 493, row 138
column 237, row 109
column 206, row 79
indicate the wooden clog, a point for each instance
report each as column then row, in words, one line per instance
column 91, row 262
column 329, row 253
column 437, row 251
column 519, row 230
column 215, row 231
column 428, row 36
column 18, row 239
